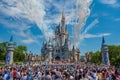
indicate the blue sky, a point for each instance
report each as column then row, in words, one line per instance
column 32, row 21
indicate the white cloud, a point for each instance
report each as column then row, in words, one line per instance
column 40, row 36
column 33, row 10
column 26, row 37
column 39, row 12
column 108, row 1
column 53, row 15
column 112, row 3
column 8, row 24
column 45, row 12
column 95, row 36
column 82, row 13
column 20, row 30
column 90, row 26
column 28, row 41
column 94, row 15
column 88, row 36
column 117, row 19
column 36, row 12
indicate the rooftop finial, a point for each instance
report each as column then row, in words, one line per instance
column 73, row 49
column 11, row 38
column 103, row 40
column 63, row 15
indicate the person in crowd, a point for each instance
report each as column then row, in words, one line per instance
column 59, row 72
column 46, row 76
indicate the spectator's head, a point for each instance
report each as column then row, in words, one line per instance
column 47, row 72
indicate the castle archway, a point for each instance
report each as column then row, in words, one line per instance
column 57, row 58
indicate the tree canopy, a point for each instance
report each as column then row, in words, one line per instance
column 3, row 51
column 114, row 56
column 19, row 52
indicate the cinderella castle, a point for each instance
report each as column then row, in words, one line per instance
column 58, row 48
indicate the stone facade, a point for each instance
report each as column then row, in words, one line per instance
column 10, row 51
column 104, row 51
column 29, row 57
column 58, row 48
column 88, row 57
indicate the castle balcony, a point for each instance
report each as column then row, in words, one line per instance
column 63, row 33
column 10, row 49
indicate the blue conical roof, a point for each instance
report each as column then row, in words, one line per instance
column 73, row 49
column 103, row 40
column 11, row 38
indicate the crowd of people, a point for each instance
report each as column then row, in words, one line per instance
column 59, row 72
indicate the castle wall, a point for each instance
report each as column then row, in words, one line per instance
column 60, row 44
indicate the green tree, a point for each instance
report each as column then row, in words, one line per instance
column 96, row 57
column 19, row 53
column 114, row 55
column 3, row 51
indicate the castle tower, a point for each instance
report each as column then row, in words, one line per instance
column 62, row 35
column 57, row 32
column 78, row 54
column 63, row 22
column 66, row 33
column 105, row 55
column 44, row 51
column 58, row 48
column 66, row 49
column 50, row 49
column 73, row 53
column 10, row 51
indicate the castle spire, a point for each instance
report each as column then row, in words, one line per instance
column 62, row 38
column 63, row 15
column 105, row 55
column 63, row 22
column 103, row 40
column 66, row 43
column 66, row 29
column 11, row 38
column 10, row 51
column 73, row 49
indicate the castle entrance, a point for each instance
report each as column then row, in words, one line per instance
column 57, row 58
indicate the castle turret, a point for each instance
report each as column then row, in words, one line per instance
column 73, row 54
column 44, row 50
column 63, row 22
column 62, row 35
column 57, row 30
column 66, row 49
column 58, row 48
column 66, row 43
column 105, row 55
column 66, row 33
column 50, row 49
column 78, row 54
column 73, row 49
column 10, row 51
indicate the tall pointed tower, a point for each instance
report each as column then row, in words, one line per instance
column 66, row 33
column 63, row 22
column 105, row 55
column 73, row 53
column 50, row 50
column 62, row 35
column 10, row 51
